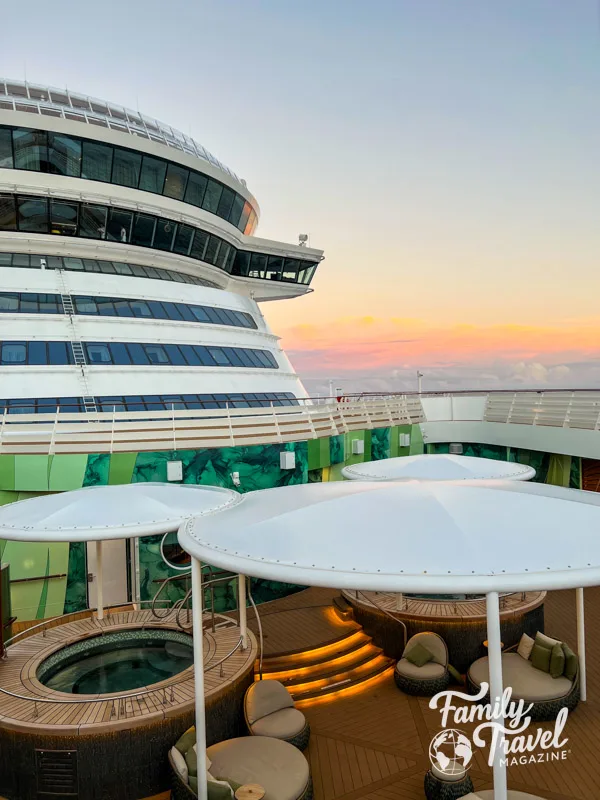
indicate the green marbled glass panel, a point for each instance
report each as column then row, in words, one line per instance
column 97, row 470
column 380, row 444
column 337, row 450
column 76, row 591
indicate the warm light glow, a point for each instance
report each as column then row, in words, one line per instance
column 327, row 649
column 334, row 663
column 322, row 683
column 356, row 688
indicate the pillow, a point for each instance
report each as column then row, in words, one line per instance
column 208, row 761
column 418, row 655
column 557, row 661
column 545, row 641
column 571, row 662
column 234, row 785
column 219, row 790
column 525, row 647
column 191, row 759
column 540, row 657
column 185, row 741
column 194, row 785
column 179, row 764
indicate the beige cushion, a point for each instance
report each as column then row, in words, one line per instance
column 179, row 764
column 265, row 697
column 452, row 777
column 428, row 672
column 432, row 642
column 488, row 794
column 279, row 767
column 281, row 724
column 525, row 646
column 526, row 682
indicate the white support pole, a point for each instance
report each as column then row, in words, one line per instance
column 581, row 644
column 496, row 688
column 135, row 549
column 99, row 582
column 243, row 610
column 199, row 677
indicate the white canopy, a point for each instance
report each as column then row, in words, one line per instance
column 109, row 512
column 438, row 468
column 433, row 537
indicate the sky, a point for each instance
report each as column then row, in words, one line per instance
column 443, row 154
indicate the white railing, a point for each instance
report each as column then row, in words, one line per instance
column 559, row 409
column 127, row 431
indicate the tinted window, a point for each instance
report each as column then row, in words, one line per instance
column 93, row 221
column 58, row 353
column 119, row 352
column 137, row 353
column 212, row 196
column 119, row 225
column 14, row 353
column 143, row 230
column 30, row 150
column 33, row 214
column 212, row 250
column 9, row 302
column 64, row 155
column 126, row 168
column 97, row 353
column 165, row 232
column 8, row 214
column 153, row 174
column 225, row 203
column 6, row 157
column 37, row 353
column 199, row 245
column 236, row 210
column 196, row 187
column 96, row 163
column 63, row 218
column 258, row 265
column 176, row 182
column 156, row 354
column 183, row 240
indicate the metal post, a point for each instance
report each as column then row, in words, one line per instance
column 99, row 582
column 199, row 678
column 135, row 557
column 496, row 689
column 243, row 612
column 581, row 644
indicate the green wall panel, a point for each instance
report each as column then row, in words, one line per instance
column 97, row 470
column 76, row 598
column 381, row 443
column 337, row 449
column 7, row 473
column 67, row 472
column 318, row 453
column 121, row 467
column 416, row 441
column 32, row 473
column 35, row 560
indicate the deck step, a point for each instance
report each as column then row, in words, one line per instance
column 346, row 643
column 325, row 669
column 344, row 680
column 342, row 608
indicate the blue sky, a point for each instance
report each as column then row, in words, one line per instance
column 442, row 152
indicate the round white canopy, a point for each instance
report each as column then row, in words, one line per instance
column 109, row 512
column 421, row 536
column 438, row 468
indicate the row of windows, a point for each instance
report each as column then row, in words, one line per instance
column 59, row 154
column 164, row 402
column 133, row 353
column 35, row 303
column 25, row 261
column 70, row 218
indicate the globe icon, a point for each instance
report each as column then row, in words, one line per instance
column 450, row 751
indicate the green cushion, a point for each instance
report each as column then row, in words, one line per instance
column 418, row 655
column 234, row 785
column 455, row 674
column 571, row 662
column 192, row 762
column 219, row 791
column 186, row 741
column 193, row 782
column 557, row 661
column 545, row 641
column 540, row 657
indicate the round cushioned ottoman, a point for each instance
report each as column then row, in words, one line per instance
column 279, row 767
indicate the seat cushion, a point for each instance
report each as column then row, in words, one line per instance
column 428, row 672
column 526, row 682
column 279, row 767
column 488, row 794
column 432, row 642
column 280, row 724
column 265, row 697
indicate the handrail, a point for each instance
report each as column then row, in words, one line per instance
column 160, row 589
column 260, row 632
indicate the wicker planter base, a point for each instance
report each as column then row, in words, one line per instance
column 300, row 740
column 422, row 688
column 435, row 789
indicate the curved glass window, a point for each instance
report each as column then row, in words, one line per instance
column 134, row 353
column 35, row 303
column 50, row 405
column 59, row 154
column 145, row 230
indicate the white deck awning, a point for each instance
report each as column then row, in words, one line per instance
column 438, row 468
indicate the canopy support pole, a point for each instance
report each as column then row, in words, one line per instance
column 581, row 644
column 243, row 610
column 496, row 689
column 198, row 632
column 99, row 582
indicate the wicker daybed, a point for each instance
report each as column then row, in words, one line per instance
column 432, row 677
column 547, row 695
column 269, row 711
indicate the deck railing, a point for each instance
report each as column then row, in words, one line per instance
column 126, row 431
column 573, row 409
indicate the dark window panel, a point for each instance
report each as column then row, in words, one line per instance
column 126, row 168
column 157, row 309
column 241, row 265
column 156, row 354
column 64, row 155
column 153, row 174
column 223, row 256
column 236, row 210
column 199, row 245
column 58, row 353
column 14, row 352
column 143, row 230
column 6, row 153
column 120, row 354
column 274, row 268
column 9, row 302
column 212, row 196
column 183, row 240
column 33, row 214
column 74, row 264
column 93, row 221
column 137, row 353
column 172, row 311
column 175, row 355
column 37, row 353
column 97, row 353
column 63, row 218
column 165, row 233
column 96, row 162
column 194, row 194
column 30, row 149
column 190, row 355
column 212, row 250
column 85, row 305
column 290, row 270
column 140, row 308
column 8, row 214
column 225, row 203
column 176, row 181
column 119, row 225
column 29, row 303
column 258, row 265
